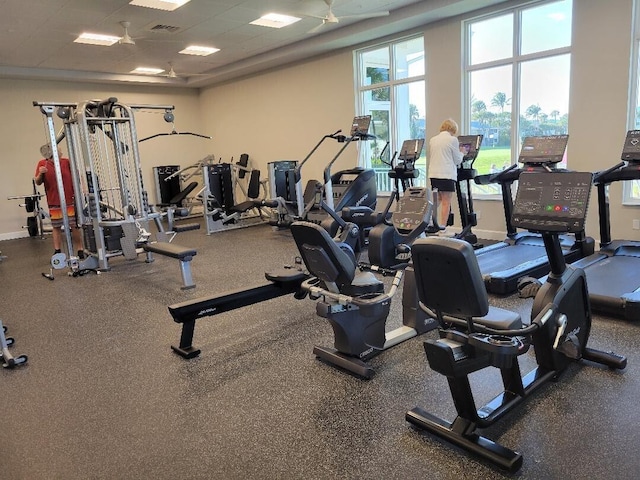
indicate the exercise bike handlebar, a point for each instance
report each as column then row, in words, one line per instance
column 541, row 319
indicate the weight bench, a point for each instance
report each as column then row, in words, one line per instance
column 184, row 254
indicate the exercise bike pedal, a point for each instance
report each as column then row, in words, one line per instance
column 609, row 359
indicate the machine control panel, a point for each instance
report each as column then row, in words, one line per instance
column 411, row 150
column 470, row 145
column 553, row 201
column 631, row 149
column 544, row 149
column 413, row 209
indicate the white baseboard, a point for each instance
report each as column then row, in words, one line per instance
column 14, row 235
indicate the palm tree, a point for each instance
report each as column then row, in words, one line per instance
column 500, row 100
column 533, row 111
column 554, row 114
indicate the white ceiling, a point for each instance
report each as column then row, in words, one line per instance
column 36, row 36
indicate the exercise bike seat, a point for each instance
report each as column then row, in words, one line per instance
column 449, row 281
column 331, row 262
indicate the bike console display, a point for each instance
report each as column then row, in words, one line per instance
column 545, row 149
column 631, row 149
column 552, row 202
column 413, row 209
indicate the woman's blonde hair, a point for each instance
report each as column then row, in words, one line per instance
column 449, row 125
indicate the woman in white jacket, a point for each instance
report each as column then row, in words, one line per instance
column 445, row 154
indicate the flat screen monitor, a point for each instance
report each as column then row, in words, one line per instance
column 631, row 149
column 552, row 201
column 546, row 149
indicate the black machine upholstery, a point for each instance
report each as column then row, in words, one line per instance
column 449, row 281
column 180, row 196
column 331, row 262
column 253, row 192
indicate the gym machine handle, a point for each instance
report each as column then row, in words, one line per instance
column 493, row 178
column 597, row 176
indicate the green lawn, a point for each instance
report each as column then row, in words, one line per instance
column 498, row 157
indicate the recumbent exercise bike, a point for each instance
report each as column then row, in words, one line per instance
column 474, row 336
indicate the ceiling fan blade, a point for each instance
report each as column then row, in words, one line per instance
column 366, row 15
column 317, row 28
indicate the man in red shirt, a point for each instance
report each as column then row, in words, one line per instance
column 46, row 173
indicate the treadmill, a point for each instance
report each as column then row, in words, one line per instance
column 613, row 273
column 523, row 253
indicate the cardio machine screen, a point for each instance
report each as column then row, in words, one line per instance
column 360, row 125
column 631, row 149
column 552, row 201
column 546, row 149
column 470, row 145
column 411, row 150
column 413, row 209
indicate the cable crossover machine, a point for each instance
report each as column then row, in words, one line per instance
column 111, row 203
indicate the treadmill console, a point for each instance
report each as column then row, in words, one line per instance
column 549, row 202
column 631, row 149
column 470, row 145
column 413, row 209
column 546, row 149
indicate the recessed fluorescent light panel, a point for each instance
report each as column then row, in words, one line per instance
column 168, row 5
column 198, row 50
column 147, row 71
column 97, row 39
column 275, row 20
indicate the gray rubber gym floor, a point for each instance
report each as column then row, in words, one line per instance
column 104, row 397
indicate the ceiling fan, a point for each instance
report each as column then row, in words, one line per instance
column 331, row 19
column 171, row 73
column 126, row 38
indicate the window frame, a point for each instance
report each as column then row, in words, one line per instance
column 515, row 62
column 634, row 96
column 392, row 84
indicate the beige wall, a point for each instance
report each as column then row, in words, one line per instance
column 282, row 114
column 599, row 101
column 23, row 131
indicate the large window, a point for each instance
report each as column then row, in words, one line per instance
column 517, row 70
column 631, row 189
column 390, row 87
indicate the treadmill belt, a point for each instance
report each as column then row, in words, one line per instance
column 509, row 257
column 614, row 276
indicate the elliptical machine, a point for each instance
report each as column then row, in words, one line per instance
column 466, row 173
column 548, row 203
column 356, row 186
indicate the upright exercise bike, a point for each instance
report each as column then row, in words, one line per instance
column 548, row 203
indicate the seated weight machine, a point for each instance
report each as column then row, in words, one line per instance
column 222, row 181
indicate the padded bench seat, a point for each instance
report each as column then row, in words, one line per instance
column 185, row 227
column 179, row 252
